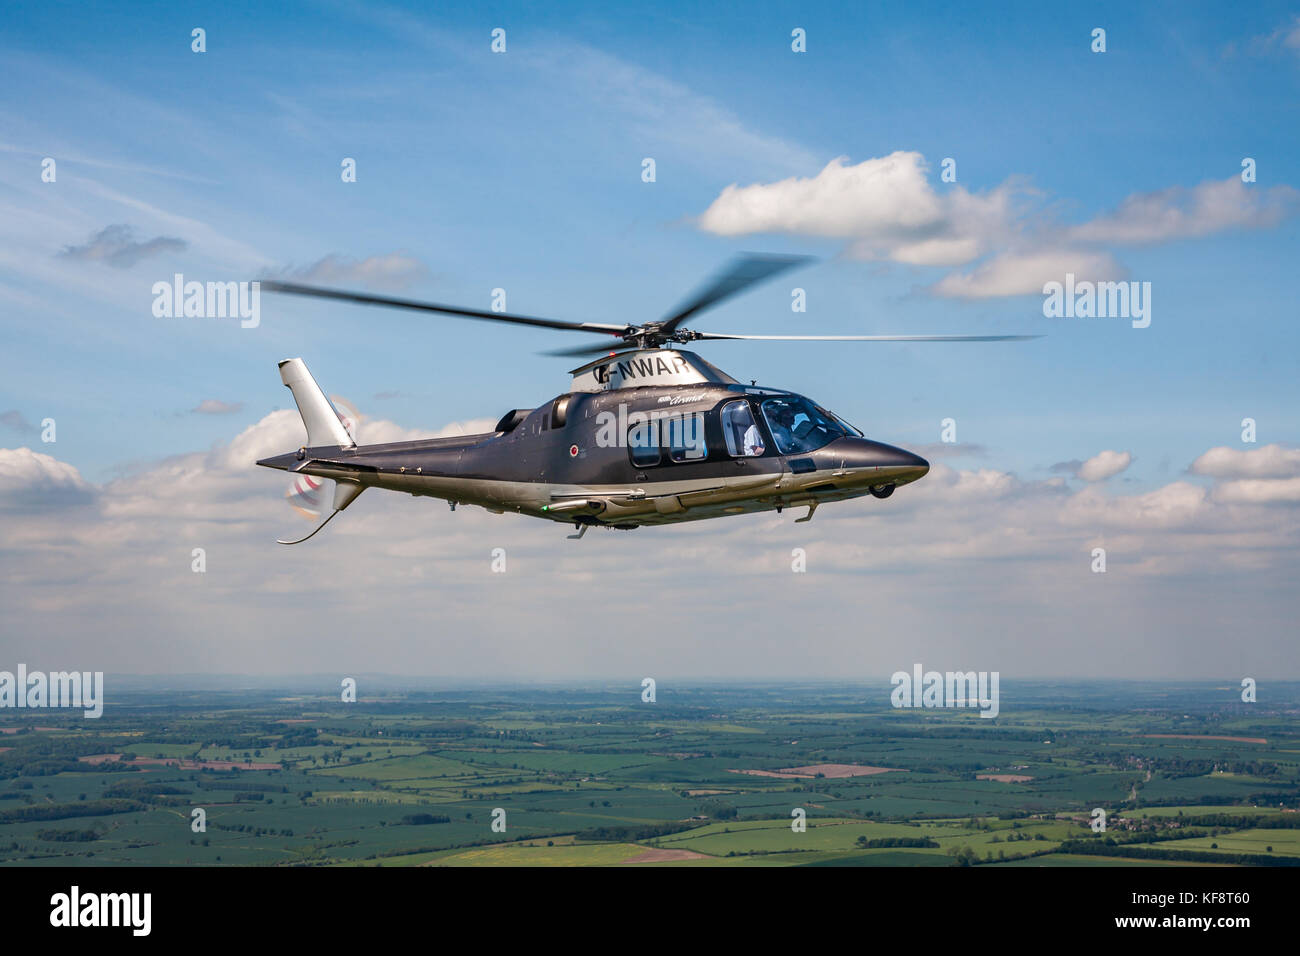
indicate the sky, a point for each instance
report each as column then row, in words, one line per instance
column 1167, row 160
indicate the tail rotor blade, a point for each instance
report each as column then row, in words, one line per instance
column 306, row 495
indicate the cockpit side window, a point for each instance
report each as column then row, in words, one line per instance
column 743, row 436
column 799, row 426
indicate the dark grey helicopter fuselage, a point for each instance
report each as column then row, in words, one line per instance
column 572, row 460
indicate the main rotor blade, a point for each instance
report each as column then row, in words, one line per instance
column 868, row 338
column 580, row 350
column 744, row 271
column 366, row 298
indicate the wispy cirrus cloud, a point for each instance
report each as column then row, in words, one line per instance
column 660, row 110
column 77, row 158
column 642, row 103
column 1284, row 39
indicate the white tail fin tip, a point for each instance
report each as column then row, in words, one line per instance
column 320, row 417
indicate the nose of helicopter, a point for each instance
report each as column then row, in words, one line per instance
column 876, row 461
column 913, row 462
column 917, row 464
column 898, row 461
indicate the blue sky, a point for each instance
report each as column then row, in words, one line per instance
column 523, row 171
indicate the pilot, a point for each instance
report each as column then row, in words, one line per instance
column 753, row 441
column 782, row 423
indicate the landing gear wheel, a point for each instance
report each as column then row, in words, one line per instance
column 882, row 491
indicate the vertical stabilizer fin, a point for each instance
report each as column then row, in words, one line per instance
column 322, row 421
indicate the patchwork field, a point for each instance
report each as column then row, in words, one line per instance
column 820, row 775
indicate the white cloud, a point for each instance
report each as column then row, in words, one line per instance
column 979, row 485
column 215, row 406
column 888, row 209
column 1261, row 476
column 31, row 480
column 1182, row 213
column 881, row 197
column 1106, row 464
column 1268, row 461
column 22, row 468
column 1025, row 273
column 940, row 564
column 1257, row 491
column 1178, row 506
column 886, row 206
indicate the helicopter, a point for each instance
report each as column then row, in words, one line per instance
column 648, row 433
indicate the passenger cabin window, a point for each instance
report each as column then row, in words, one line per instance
column 744, row 440
column 684, row 434
column 681, row 434
column 643, row 444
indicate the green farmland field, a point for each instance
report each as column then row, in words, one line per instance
column 705, row 776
